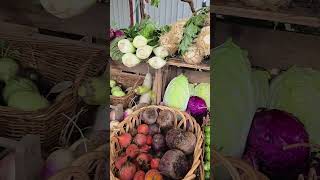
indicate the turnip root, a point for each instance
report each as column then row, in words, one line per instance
column 182, row 140
column 158, row 142
column 165, row 119
column 174, row 164
column 150, row 116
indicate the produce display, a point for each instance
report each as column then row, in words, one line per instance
column 268, row 119
column 22, row 87
column 154, row 149
column 150, row 43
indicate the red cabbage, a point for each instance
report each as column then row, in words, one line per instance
column 197, row 108
column 270, row 132
column 118, row 33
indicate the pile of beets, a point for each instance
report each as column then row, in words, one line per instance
column 155, row 150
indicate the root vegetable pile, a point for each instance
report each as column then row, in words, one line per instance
column 154, row 150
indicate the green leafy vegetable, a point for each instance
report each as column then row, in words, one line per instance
column 155, row 3
column 177, row 93
column 261, row 84
column 297, row 91
column 115, row 52
column 233, row 99
column 192, row 28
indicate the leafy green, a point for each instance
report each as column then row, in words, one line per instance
column 115, row 53
column 261, row 84
column 192, row 29
column 147, row 28
column 297, row 91
column 233, row 99
column 177, row 93
column 155, row 3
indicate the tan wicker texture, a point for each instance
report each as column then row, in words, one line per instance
column 56, row 62
column 133, row 120
column 238, row 169
column 126, row 80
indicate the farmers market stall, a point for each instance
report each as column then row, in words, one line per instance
column 265, row 90
column 53, row 90
column 162, row 129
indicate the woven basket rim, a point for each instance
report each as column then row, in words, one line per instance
column 133, row 118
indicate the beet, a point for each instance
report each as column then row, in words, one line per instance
column 174, row 164
column 158, row 142
column 154, row 129
column 150, row 116
column 182, row 140
column 165, row 119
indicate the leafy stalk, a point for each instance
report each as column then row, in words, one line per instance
column 192, row 29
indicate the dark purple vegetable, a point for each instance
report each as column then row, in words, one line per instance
column 158, row 142
column 165, row 119
column 182, row 140
column 118, row 33
column 150, row 116
column 154, row 129
column 270, row 133
column 174, row 164
column 197, row 108
column 111, row 34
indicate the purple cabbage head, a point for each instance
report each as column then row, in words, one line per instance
column 197, row 108
column 271, row 132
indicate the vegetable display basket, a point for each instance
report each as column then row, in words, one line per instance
column 237, row 168
column 133, row 121
column 126, row 80
column 56, row 62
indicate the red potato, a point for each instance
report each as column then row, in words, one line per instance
column 149, row 140
column 143, row 129
column 143, row 159
column 132, row 151
column 120, row 161
column 139, row 175
column 145, row 148
column 154, row 163
column 127, row 171
column 140, row 139
column 125, row 140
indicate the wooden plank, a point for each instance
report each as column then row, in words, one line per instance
column 93, row 22
column 272, row 49
column 179, row 63
column 300, row 16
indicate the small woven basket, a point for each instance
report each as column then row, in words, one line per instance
column 126, row 80
column 56, row 62
column 237, row 168
column 133, row 121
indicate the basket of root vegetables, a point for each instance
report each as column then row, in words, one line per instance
column 157, row 142
column 122, row 86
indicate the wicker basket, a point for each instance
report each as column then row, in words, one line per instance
column 238, row 169
column 133, row 120
column 56, row 62
column 126, row 80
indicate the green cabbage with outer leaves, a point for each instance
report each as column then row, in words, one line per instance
column 261, row 86
column 202, row 90
column 177, row 93
column 297, row 91
column 233, row 99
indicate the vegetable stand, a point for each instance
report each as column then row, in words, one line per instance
column 176, row 55
column 61, row 62
column 278, row 43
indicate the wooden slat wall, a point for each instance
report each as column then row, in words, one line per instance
column 92, row 23
column 272, row 49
